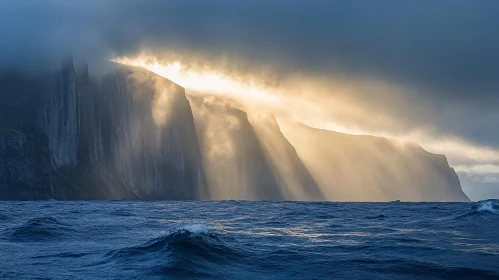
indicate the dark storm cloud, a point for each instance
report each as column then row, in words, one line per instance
column 450, row 44
column 444, row 51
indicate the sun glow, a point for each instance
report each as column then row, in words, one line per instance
column 294, row 100
column 203, row 81
column 304, row 101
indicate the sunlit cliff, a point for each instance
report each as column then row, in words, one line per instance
column 162, row 133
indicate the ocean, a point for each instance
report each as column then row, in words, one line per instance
column 248, row 240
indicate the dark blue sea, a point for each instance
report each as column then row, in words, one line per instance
column 248, row 240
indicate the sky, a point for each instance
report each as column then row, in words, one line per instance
column 421, row 70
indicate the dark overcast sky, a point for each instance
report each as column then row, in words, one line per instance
column 446, row 52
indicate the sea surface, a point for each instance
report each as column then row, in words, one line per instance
column 248, row 240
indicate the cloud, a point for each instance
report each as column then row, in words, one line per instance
column 490, row 180
column 479, row 180
column 479, row 169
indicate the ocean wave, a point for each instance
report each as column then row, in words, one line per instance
column 85, row 240
column 423, row 269
column 190, row 249
column 41, row 227
column 62, row 255
column 3, row 217
column 381, row 216
column 121, row 212
column 487, row 206
column 408, row 240
column 484, row 207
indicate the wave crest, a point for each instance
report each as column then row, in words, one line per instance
column 482, row 208
column 487, row 206
column 39, row 228
column 189, row 250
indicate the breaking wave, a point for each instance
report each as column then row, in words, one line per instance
column 189, row 250
column 487, row 206
column 484, row 207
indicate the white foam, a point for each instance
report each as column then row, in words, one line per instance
column 195, row 228
column 488, row 206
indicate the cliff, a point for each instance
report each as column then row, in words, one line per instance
column 24, row 160
column 129, row 135
column 366, row 168
column 293, row 177
column 134, row 135
column 233, row 159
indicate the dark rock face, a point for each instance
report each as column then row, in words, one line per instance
column 97, row 139
column 23, row 167
column 24, row 156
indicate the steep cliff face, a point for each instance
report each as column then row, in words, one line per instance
column 23, row 168
column 24, row 156
column 293, row 177
column 143, row 136
column 367, row 168
column 130, row 135
column 245, row 155
column 62, row 118
column 233, row 159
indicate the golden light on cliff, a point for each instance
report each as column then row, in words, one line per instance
column 205, row 81
column 308, row 100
